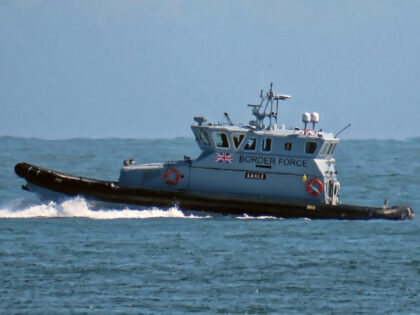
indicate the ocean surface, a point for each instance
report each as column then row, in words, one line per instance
column 72, row 257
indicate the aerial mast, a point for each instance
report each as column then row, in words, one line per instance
column 267, row 101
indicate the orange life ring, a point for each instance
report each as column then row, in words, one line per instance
column 170, row 180
column 313, row 191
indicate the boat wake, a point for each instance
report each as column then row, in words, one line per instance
column 248, row 217
column 80, row 208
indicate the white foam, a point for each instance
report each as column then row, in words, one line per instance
column 79, row 208
column 247, row 217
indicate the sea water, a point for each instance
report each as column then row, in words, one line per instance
column 75, row 257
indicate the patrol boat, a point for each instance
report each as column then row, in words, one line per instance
column 259, row 168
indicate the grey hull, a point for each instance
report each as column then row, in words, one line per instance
column 59, row 184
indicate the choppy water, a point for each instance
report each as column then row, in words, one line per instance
column 71, row 258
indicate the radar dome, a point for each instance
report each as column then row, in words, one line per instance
column 315, row 117
column 306, row 117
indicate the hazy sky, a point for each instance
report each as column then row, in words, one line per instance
column 143, row 69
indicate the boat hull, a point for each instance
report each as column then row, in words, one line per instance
column 53, row 185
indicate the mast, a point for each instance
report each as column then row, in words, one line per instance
column 268, row 108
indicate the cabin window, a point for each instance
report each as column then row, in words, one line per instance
column 204, row 137
column 221, row 140
column 324, row 148
column 331, row 148
column 288, row 146
column 237, row 140
column 310, row 147
column 250, row 145
column 266, row 145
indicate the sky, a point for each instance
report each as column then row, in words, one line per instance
column 144, row 69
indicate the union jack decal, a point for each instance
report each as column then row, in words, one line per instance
column 223, row 158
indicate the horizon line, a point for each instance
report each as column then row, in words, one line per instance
column 178, row 137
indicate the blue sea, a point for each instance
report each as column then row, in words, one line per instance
column 72, row 257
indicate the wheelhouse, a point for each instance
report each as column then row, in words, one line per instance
column 213, row 139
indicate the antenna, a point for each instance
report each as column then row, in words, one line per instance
column 342, row 130
column 228, row 119
column 268, row 108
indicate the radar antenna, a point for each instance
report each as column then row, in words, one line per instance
column 268, row 108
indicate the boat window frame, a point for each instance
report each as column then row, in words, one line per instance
column 271, row 144
column 246, row 143
column 324, row 148
column 201, row 139
column 226, row 138
column 288, row 146
column 306, row 147
column 240, row 142
column 331, row 148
